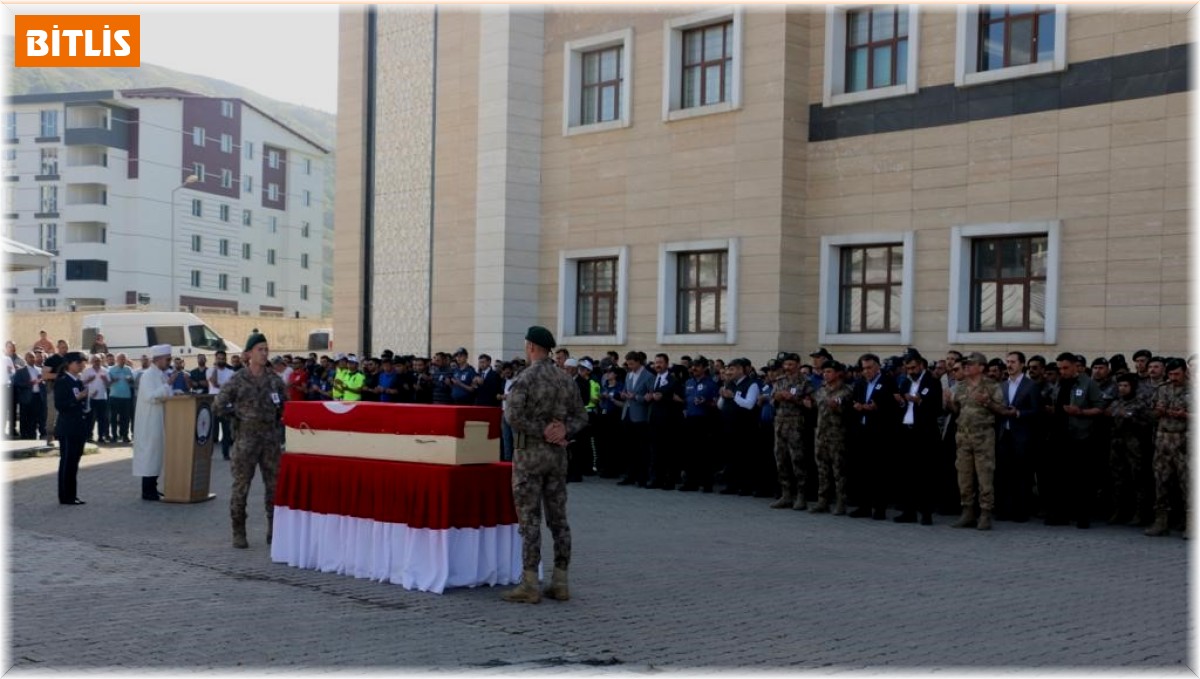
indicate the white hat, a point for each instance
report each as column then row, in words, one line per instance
column 570, row 363
column 160, row 350
column 352, row 358
column 585, row 364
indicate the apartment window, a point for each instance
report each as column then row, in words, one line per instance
column 870, row 288
column 49, row 276
column 226, row 109
column 1004, row 283
column 49, row 199
column 247, row 183
column 304, row 293
column 270, row 288
column 198, row 136
column 224, row 213
column 592, row 298
column 271, row 256
column 223, row 281
column 870, row 53
column 272, row 191
column 196, row 245
column 10, row 125
column 224, row 247
column 49, row 162
column 49, row 124
column 700, row 292
column 245, row 284
column 703, row 67
column 308, row 166
column 198, row 170
column 245, row 251
column 247, row 218
column 600, row 89
column 273, row 225
column 596, row 297
column 999, row 42
column 249, row 146
column 195, row 278
column 197, row 207
column 307, row 198
column 226, row 179
column 48, row 237
column 48, row 304
column 303, row 260
column 226, row 143
column 87, row 270
column 305, row 229
column 273, row 159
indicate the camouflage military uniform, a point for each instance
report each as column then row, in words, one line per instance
column 789, row 435
column 256, row 404
column 541, row 394
column 976, row 441
column 1128, row 451
column 831, row 443
column 1171, row 445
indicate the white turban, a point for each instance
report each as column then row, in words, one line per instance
column 160, row 350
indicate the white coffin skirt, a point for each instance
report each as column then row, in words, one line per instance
column 414, row 558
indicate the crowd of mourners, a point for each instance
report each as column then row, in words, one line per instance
column 1012, row 438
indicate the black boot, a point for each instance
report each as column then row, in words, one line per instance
column 150, row 488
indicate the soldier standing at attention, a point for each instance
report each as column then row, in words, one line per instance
column 1173, row 404
column 977, row 400
column 832, row 401
column 789, row 392
column 254, row 398
column 544, row 411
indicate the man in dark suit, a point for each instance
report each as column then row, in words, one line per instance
column 920, row 406
column 30, row 390
column 1015, row 431
column 635, row 416
column 665, row 411
column 872, row 431
column 71, row 401
column 488, row 383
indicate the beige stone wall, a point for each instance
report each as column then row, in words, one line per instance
column 348, row 183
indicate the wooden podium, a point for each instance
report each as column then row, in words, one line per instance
column 188, row 428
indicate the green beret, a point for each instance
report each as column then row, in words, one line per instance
column 255, row 337
column 540, row 336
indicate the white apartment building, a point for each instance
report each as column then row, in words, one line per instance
column 163, row 198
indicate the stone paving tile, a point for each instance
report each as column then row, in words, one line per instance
column 661, row 581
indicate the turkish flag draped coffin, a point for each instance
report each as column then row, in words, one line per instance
column 373, row 490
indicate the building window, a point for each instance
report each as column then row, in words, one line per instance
column 248, row 183
column 271, row 256
column 198, row 170
column 305, row 229
column 247, row 218
column 592, row 295
column 703, row 66
column 10, row 161
column 245, row 251
column 272, row 191
column 49, row 124
column 303, row 260
column 197, row 207
column 49, row 275
column 226, row 109
column 226, row 179
column 273, row 225
column 304, row 293
column 245, row 284
column 48, row 304
column 198, row 136
column 224, row 247
column 222, row 281
column 224, row 213
column 249, row 146
column 866, row 283
column 227, row 143
column 87, row 270
column 270, row 288
column 49, row 199
column 307, row 198
column 697, row 295
column 48, row 237
column 195, row 278
column 999, row 42
column 596, row 296
column 1004, row 283
column 196, row 243
column 273, row 159
column 308, row 166
column 10, row 125
column 49, row 162
column 870, row 53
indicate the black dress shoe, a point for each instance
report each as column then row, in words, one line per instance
column 148, row 498
column 1083, row 524
column 745, row 492
column 906, row 517
column 879, row 515
column 728, row 490
column 76, row 501
column 687, row 488
column 707, row 489
column 1055, row 521
column 625, row 482
column 926, row 520
column 860, row 513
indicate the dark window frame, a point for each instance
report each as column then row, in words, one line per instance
column 1001, row 281
column 872, row 45
column 690, row 296
column 587, row 279
column 724, row 61
column 845, row 259
column 600, row 85
column 987, row 18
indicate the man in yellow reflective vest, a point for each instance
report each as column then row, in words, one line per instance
column 353, row 381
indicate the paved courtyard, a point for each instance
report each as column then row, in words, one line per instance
column 660, row 581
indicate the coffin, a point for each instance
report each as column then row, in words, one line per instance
column 452, row 435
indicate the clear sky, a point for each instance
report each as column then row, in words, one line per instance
column 287, row 52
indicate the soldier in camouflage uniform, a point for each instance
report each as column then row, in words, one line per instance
column 831, row 437
column 977, row 400
column 789, row 392
column 544, row 410
column 1173, row 404
column 1128, row 451
column 254, row 398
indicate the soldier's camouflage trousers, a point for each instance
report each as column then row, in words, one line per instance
column 976, row 458
column 256, row 446
column 1127, row 461
column 831, row 469
column 540, row 476
column 789, row 456
column 1170, row 459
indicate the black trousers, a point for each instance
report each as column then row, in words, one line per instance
column 118, row 416
column 635, row 451
column 12, row 422
column 866, row 482
column 663, row 465
column 579, row 455
column 70, row 451
column 98, row 419
column 1070, row 483
column 699, row 448
column 921, row 452
column 1014, row 477
column 30, row 425
column 608, row 444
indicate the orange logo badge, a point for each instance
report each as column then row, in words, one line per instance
column 78, row 40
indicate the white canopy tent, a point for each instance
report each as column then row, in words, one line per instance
column 22, row 257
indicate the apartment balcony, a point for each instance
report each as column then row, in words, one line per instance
column 86, row 232
column 95, row 175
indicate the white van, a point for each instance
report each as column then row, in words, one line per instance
column 133, row 333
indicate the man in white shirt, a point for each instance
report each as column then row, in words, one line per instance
column 218, row 375
column 96, row 379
